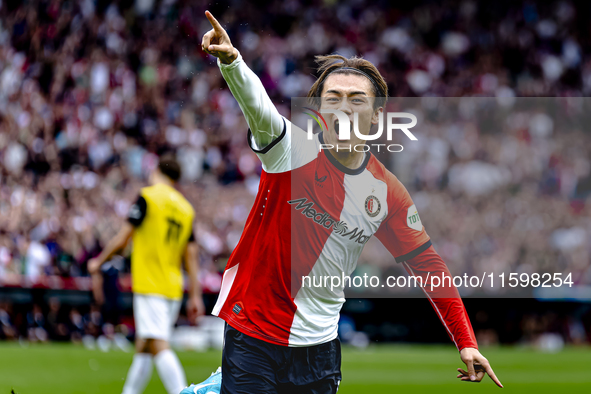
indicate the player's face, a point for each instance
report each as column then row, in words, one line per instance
column 349, row 93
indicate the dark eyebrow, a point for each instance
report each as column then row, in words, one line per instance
column 350, row 94
column 333, row 91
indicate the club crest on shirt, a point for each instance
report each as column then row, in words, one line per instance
column 372, row 206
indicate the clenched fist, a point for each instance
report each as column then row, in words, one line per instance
column 217, row 43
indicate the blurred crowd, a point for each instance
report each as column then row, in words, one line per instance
column 56, row 322
column 500, row 190
column 92, row 92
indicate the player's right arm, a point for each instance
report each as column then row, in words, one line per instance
column 266, row 124
column 117, row 243
column 135, row 217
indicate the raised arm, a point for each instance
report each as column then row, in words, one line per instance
column 264, row 121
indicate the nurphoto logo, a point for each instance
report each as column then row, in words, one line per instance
column 344, row 126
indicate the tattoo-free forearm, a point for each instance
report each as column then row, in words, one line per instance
column 116, row 243
column 192, row 267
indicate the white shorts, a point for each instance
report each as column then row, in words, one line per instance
column 154, row 316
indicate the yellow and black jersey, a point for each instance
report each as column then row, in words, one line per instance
column 163, row 221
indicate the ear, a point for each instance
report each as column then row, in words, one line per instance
column 376, row 115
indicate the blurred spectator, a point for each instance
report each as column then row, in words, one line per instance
column 76, row 325
column 36, row 325
column 56, row 326
column 37, row 259
column 7, row 330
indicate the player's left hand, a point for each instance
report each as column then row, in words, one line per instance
column 477, row 366
column 195, row 308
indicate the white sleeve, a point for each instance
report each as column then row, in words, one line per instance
column 264, row 121
column 277, row 142
column 289, row 151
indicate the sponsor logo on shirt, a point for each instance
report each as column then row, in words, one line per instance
column 412, row 218
column 325, row 220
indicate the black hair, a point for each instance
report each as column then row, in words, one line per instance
column 170, row 168
column 355, row 65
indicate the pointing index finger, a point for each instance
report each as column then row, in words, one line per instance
column 492, row 375
column 214, row 22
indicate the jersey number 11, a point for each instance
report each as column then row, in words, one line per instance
column 174, row 230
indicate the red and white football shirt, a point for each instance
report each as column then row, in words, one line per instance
column 312, row 217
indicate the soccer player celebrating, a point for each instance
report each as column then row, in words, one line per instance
column 280, row 335
column 160, row 223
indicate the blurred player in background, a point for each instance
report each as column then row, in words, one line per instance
column 277, row 341
column 160, row 223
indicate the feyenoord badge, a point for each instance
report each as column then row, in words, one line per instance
column 372, row 206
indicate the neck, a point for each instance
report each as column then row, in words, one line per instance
column 162, row 180
column 352, row 160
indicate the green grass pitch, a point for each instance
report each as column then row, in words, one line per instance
column 65, row 369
